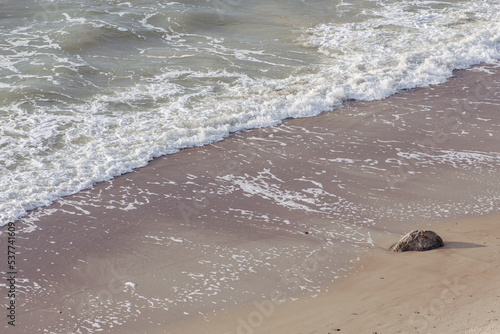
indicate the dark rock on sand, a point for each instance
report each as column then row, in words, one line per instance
column 418, row 240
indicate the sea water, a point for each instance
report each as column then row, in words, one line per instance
column 93, row 89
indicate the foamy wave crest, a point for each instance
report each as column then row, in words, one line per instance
column 402, row 46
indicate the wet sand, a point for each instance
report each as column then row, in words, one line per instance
column 453, row 289
column 281, row 213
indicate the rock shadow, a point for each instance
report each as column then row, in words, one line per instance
column 460, row 244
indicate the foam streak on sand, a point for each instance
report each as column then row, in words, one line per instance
column 90, row 92
column 283, row 212
column 450, row 290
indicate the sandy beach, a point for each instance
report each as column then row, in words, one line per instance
column 284, row 229
column 449, row 290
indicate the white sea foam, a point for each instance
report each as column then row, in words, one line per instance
column 94, row 96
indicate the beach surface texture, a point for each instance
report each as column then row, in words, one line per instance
column 284, row 229
column 244, row 166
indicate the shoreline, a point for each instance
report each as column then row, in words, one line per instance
column 217, row 227
column 447, row 290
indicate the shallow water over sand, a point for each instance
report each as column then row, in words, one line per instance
column 216, row 227
column 93, row 89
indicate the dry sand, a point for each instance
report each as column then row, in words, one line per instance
column 192, row 241
column 453, row 289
